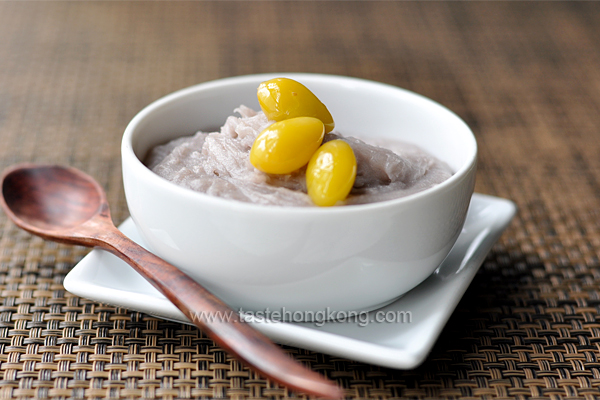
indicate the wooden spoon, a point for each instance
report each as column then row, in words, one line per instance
column 65, row 205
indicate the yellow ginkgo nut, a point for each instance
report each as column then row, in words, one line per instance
column 283, row 98
column 331, row 173
column 287, row 145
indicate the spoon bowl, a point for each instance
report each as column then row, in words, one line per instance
column 64, row 204
column 56, row 198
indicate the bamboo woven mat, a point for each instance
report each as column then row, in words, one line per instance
column 524, row 75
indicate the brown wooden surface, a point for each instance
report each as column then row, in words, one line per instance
column 524, row 75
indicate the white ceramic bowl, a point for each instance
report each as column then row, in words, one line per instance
column 287, row 259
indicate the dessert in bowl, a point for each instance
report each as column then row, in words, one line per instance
column 302, row 259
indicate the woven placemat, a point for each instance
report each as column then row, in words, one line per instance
column 525, row 77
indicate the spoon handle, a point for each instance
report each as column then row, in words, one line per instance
column 217, row 319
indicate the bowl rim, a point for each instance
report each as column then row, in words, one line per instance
column 138, row 166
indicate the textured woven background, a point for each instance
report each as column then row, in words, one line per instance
column 525, row 76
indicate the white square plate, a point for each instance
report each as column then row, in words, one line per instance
column 413, row 324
